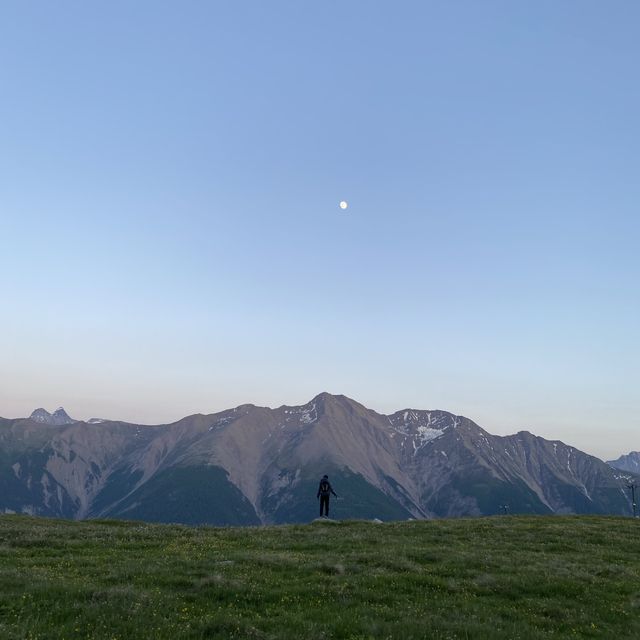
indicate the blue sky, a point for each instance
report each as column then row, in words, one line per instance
column 172, row 241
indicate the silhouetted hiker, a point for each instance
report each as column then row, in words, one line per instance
column 324, row 491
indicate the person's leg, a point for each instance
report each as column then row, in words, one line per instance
column 321, row 505
column 326, row 512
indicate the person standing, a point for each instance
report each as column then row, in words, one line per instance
column 324, row 491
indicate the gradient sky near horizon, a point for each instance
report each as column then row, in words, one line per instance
column 170, row 175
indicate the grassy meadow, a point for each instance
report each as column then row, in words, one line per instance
column 501, row 577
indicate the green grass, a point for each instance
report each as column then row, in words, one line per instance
column 502, row 577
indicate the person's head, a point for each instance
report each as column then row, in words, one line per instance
column 325, row 477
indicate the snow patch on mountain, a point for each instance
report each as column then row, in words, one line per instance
column 221, row 422
column 419, row 428
column 306, row 414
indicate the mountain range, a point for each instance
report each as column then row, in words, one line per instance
column 255, row 465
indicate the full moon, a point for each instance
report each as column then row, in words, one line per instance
column 343, row 204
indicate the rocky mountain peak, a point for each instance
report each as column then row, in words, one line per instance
column 61, row 414
column 325, row 404
column 40, row 415
column 329, row 399
column 629, row 462
column 58, row 417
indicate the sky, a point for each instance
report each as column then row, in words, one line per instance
column 171, row 236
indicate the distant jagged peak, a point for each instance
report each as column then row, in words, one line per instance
column 58, row 417
column 40, row 415
column 629, row 462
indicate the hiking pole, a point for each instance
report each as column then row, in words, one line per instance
column 633, row 488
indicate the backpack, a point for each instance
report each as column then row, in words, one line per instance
column 324, row 487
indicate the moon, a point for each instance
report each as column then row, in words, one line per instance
column 343, row 204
